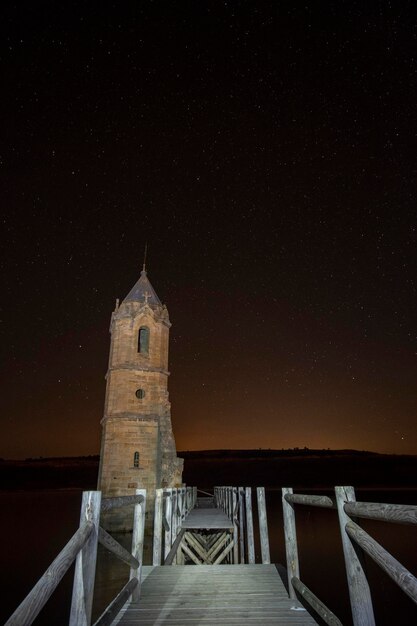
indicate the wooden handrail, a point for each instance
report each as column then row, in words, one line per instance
column 400, row 513
column 34, row 602
column 321, row 501
column 114, row 607
column 321, row 609
column 82, row 547
column 119, row 501
column 360, row 597
column 404, row 579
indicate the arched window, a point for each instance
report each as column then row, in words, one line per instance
column 143, row 340
column 136, row 459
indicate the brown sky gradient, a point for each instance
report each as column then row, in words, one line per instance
column 266, row 153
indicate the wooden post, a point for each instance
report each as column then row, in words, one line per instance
column 85, row 565
column 291, row 548
column 241, row 495
column 249, row 525
column 235, row 504
column 263, row 525
column 168, row 516
column 138, row 535
column 359, row 592
column 180, row 499
column 157, row 528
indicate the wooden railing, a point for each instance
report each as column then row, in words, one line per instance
column 82, row 548
column 236, row 502
column 171, row 507
column 354, row 541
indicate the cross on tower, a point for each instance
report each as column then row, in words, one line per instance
column 147, row 295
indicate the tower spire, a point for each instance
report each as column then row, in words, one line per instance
column 144, row 257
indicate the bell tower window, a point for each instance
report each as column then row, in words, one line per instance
column 136, row 459
column 143, row 340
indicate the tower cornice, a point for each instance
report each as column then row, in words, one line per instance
column 127, row 366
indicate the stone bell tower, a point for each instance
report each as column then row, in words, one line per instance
column 138, row 446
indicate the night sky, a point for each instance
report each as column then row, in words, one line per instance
column 267, row 153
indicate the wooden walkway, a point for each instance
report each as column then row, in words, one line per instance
column 191, row 595
column 207, row 519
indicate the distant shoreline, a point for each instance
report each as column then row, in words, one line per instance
column 319, row 469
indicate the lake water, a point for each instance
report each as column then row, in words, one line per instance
column 36, row 525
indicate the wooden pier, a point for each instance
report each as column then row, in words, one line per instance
column 204, row 567
column 214, row 594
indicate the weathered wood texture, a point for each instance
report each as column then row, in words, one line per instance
column 114, row 546
column 400, row 513
column 157, row 528
column 114, row 607
column 207, row 519
column 249, row 525
column 359, row 592
column 138, row 535
column 290, row 533
column 321, row 501
column 263, row 525
column 312, row 600
column 85, row 565
column 31, row 606
column 167, row 516
column 174, row 548
column 241, row 496
column 214, row 595
column 385, row 560
column 115, row 503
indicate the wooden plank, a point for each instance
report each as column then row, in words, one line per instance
column 359, row 592
column 214, row 594
column 263, row 525
column 196, row 546
column 190, row 553
column 290, row 533
column 217, row 545
column 404, row 579
column 225, row 553
column 207, row 519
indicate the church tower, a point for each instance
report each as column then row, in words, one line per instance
column 138, row 446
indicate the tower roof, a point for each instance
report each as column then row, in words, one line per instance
column 143, row 291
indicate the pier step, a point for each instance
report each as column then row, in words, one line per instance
column 214, row 595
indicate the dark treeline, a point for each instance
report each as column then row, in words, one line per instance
column 271, row 468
